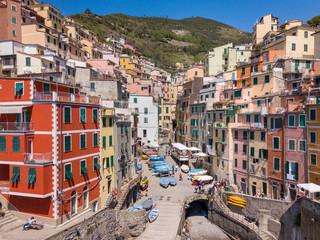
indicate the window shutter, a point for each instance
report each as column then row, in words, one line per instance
column 110, row 122
column 2, row 143
column 104, row 141
column 260, row 155
column 287, row 167
column 110, row 140
column 111, row 161
column 302, row 120
column 266, row 151
column 95, row 115
column 83, row 141
column 297, row 171
column 82, row 115
column 67, row 115
column 16, row 144
column 108, row 163
column 95, row 139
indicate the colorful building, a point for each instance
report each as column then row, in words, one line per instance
column 52, row 164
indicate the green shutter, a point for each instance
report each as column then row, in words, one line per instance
column 83, row 141
column 291, row 121
column 95, row 115
column 275, row 143
column 302, row 120
column 110, row 140
column 255, row 81
column 266, row 79
column 247, row 118
column 297, row 171
column 67, row 143
column 110, row 122
column 32, row 178
column 46, row 88
column 28, row 61
column 252, row 151
column 67, row 115
column 244, row 164
column 167, row 110
column 84, row 169
column 95, row 139
column 111, row 161
column 108, row 164
column 135, row 100
column 235, row 148
column 260, row 155
column 145, row 110
column 266, row 156
column 236, row 162
column 16, row 144
column 19, row 88
column 15, row 174
column 312, row 114
column 104, row 141
column 82, row 115
column 308, row 64
column 67, row 172
column 277, row 164
column 287, row 167
column 96, row 165
column 159, row 110
column 2, row 143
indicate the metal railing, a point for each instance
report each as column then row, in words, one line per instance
column 38, row 158
column 16, row 126
column 65, row 97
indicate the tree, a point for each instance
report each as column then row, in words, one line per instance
column 87, row 11
column 314, row 22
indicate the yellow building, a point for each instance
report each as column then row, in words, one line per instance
column 125, row 62
column 107, row 153
column 93, row 49
column 266, row 24
column 53, row 17
column 313, row 111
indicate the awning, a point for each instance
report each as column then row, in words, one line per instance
column 11, row 109
column 201, row 154
column 194, row 149
column 310, row 187
column 180, row 146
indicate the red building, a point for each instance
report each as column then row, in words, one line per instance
column 50, row 154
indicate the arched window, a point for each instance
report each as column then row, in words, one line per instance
column 85, row 197
column 73, row 203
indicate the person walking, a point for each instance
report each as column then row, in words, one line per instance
column 173, row 169
column 176, row 168
column 180, row 177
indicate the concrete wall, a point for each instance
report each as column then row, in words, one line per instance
column 254, row 204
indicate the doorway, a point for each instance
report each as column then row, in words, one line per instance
column 30, row 149
column 85, row 197
column 274, row 192
column 73, row 203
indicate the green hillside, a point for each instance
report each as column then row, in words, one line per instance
column 166, row 40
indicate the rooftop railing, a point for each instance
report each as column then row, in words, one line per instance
column 65, row 97
column 16, row 126
column 38, row 158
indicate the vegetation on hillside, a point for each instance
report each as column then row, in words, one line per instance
column 314, row 22
column 193, row 36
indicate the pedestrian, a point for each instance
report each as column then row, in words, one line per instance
column 196, row 189
column 172, row 168
column 165, row 157
column 180, row 177
column 209, row 191
column 176, row 168
column 199, row 188
column 28, row 224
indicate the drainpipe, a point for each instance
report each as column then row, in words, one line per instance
column 61, row 164
column 307, row 139
column 284, row 153
column 248, row 166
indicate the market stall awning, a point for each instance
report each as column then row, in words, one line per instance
column 201, row 154
column 180, row 146
column 194, row 149
column 310, row 187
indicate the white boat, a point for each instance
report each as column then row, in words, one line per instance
column 204, row 178
column 199, row 173
column 185, row 168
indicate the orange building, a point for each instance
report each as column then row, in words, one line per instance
column 10, row 20
column 49, row 149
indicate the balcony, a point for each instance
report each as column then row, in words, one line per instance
column 65, row 97
column 16, row 126
column 121, row 104
column 295, row 107
column 257, row 125
column 181, row 134
column 5, row 187
column 38, row 158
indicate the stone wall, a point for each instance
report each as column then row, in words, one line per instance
column 276, row 207
column 106, row 224
column 232, row 227
column 301, row 221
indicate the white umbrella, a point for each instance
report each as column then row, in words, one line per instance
column 201, row 154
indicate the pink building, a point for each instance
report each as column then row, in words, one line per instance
column 102, row 65
column 133, row 47
column 139, row 89
column 111, row 57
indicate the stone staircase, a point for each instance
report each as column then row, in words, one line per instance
column 108, row 201
column 9, row 222
column 267, row 236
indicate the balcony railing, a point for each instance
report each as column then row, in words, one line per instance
column 16, row 126
column 65, row 97
column 38, row 158
column 4, row 187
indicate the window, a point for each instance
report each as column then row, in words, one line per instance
column 92, row 86
column 15, row 174
column 67, row 114
column 276, row 123
column 28, row 61
column 313, row 159
column 245, row 135
column 243, row 83
column 111, row 161
column 302, row 120
column 308, row 64
column 305, row 47
column 110, row 122
column 291, row 121
column 83, row 116
column 83, row 167
column 95, row 140
column 104, row 141
column 313, row 115
column 32, row 178
column 48, row 39
column 236, row 134
column 244, row 164
column 293, row 46
column 263, row 136
column 46, row 89
column 96, row 165
column 16, row 144
column 13, row 33
column 13, row 8
column 247, row 118
column 144, row 133
column 313, row 138
column 95, row 115
column 276, row 143
column 302, row 145
column 14, row 20
column 252, row 151
column 145, row 110
column 292, row 145
column 67, row 171
column 259, row 103
column 236, row 162
column 251, row 135
column 67, row 143
column 220, row 116
column 236, row 148
column 3, row 143
column 244, row 149
column 243, row 71
column 55, row 41
column 145, row 120
column 256, row 118
column 266, row 78
column 83, row 141
column 18, row 88
column 110, row 140
column 306, row 34
column 135, row 100
column 276, row 164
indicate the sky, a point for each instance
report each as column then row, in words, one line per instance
column 241, row 14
